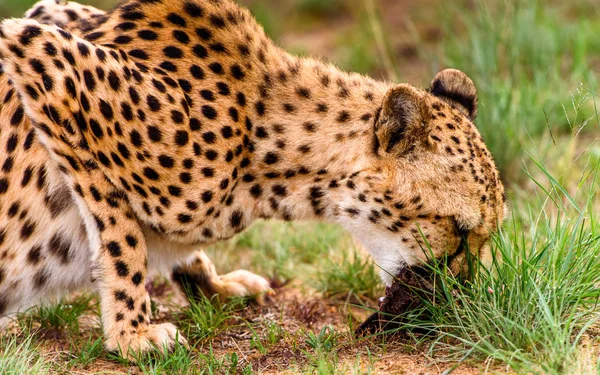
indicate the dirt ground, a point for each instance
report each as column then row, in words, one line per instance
column 296, row 313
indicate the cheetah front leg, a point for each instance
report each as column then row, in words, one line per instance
column 122, row 263
column 198, row 276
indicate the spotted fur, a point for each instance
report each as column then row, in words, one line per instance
column 164, row 125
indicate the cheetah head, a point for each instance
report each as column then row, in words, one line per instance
column 433, row 191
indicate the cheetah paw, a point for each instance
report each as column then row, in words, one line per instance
column 155, row 337
column 242, row 283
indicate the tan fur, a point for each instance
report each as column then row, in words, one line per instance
column 182, row 117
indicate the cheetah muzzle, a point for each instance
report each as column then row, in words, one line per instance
column 132, row 138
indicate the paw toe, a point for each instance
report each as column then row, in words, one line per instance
column 156, row 337
column 242, row 283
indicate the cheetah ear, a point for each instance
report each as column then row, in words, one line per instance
column 457, row 89
column 401, row 124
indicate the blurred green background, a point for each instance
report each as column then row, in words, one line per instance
column 528, row 58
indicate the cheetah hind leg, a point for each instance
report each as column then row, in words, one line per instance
column 198, row 277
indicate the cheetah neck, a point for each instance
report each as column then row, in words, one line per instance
column 313, row 128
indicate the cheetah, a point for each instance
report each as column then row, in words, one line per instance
column 133, row 138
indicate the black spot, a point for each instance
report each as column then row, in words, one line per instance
column 197, row 72
column 126, row 111
column 27, row 229
column 280, row 190
column 207, row 196
column 200, row 51
column 177, row 117
column 261, row 132
column 166, row 161
column 122, row 39
column 184, row 218
column 234, row 114
column 29, row 32
column 17, row 116
column 216, row 68
column 114, row 249
column 193, row 10
column 211, row 155
column 50, row 49
column 181, row 137
column 260, row 108
column 122, row 269
column 154, row 134
column 343, row 117
column 3, row 185
column 132, row 16
column 173, row 52
column 106, row 110
column 207, row 95
column 223, row 88
column 195, row 124
column 217, row 21
column 60, row 248
column 237, row 72
column 303, row 92
column 167, row 65
column 147, row 35
column 137, row 278
column 151, row 174
column 136, row 138
column 176, row 19
column 204, row 33
column 34, row 255
column 114, row 81
column 236, row 219
column 289, row 108
column 271, row 158
column 131, row 240
column 96, row 129
column 209, row 112
column 181, row 36
column 40, row 278
column 185, row 177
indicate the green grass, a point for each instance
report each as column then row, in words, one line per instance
column 19, row 355
column 60, row 318
column 527, row 59
column 296, row 248
column 350, row 276
column 85, row 354
column 205, row 318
